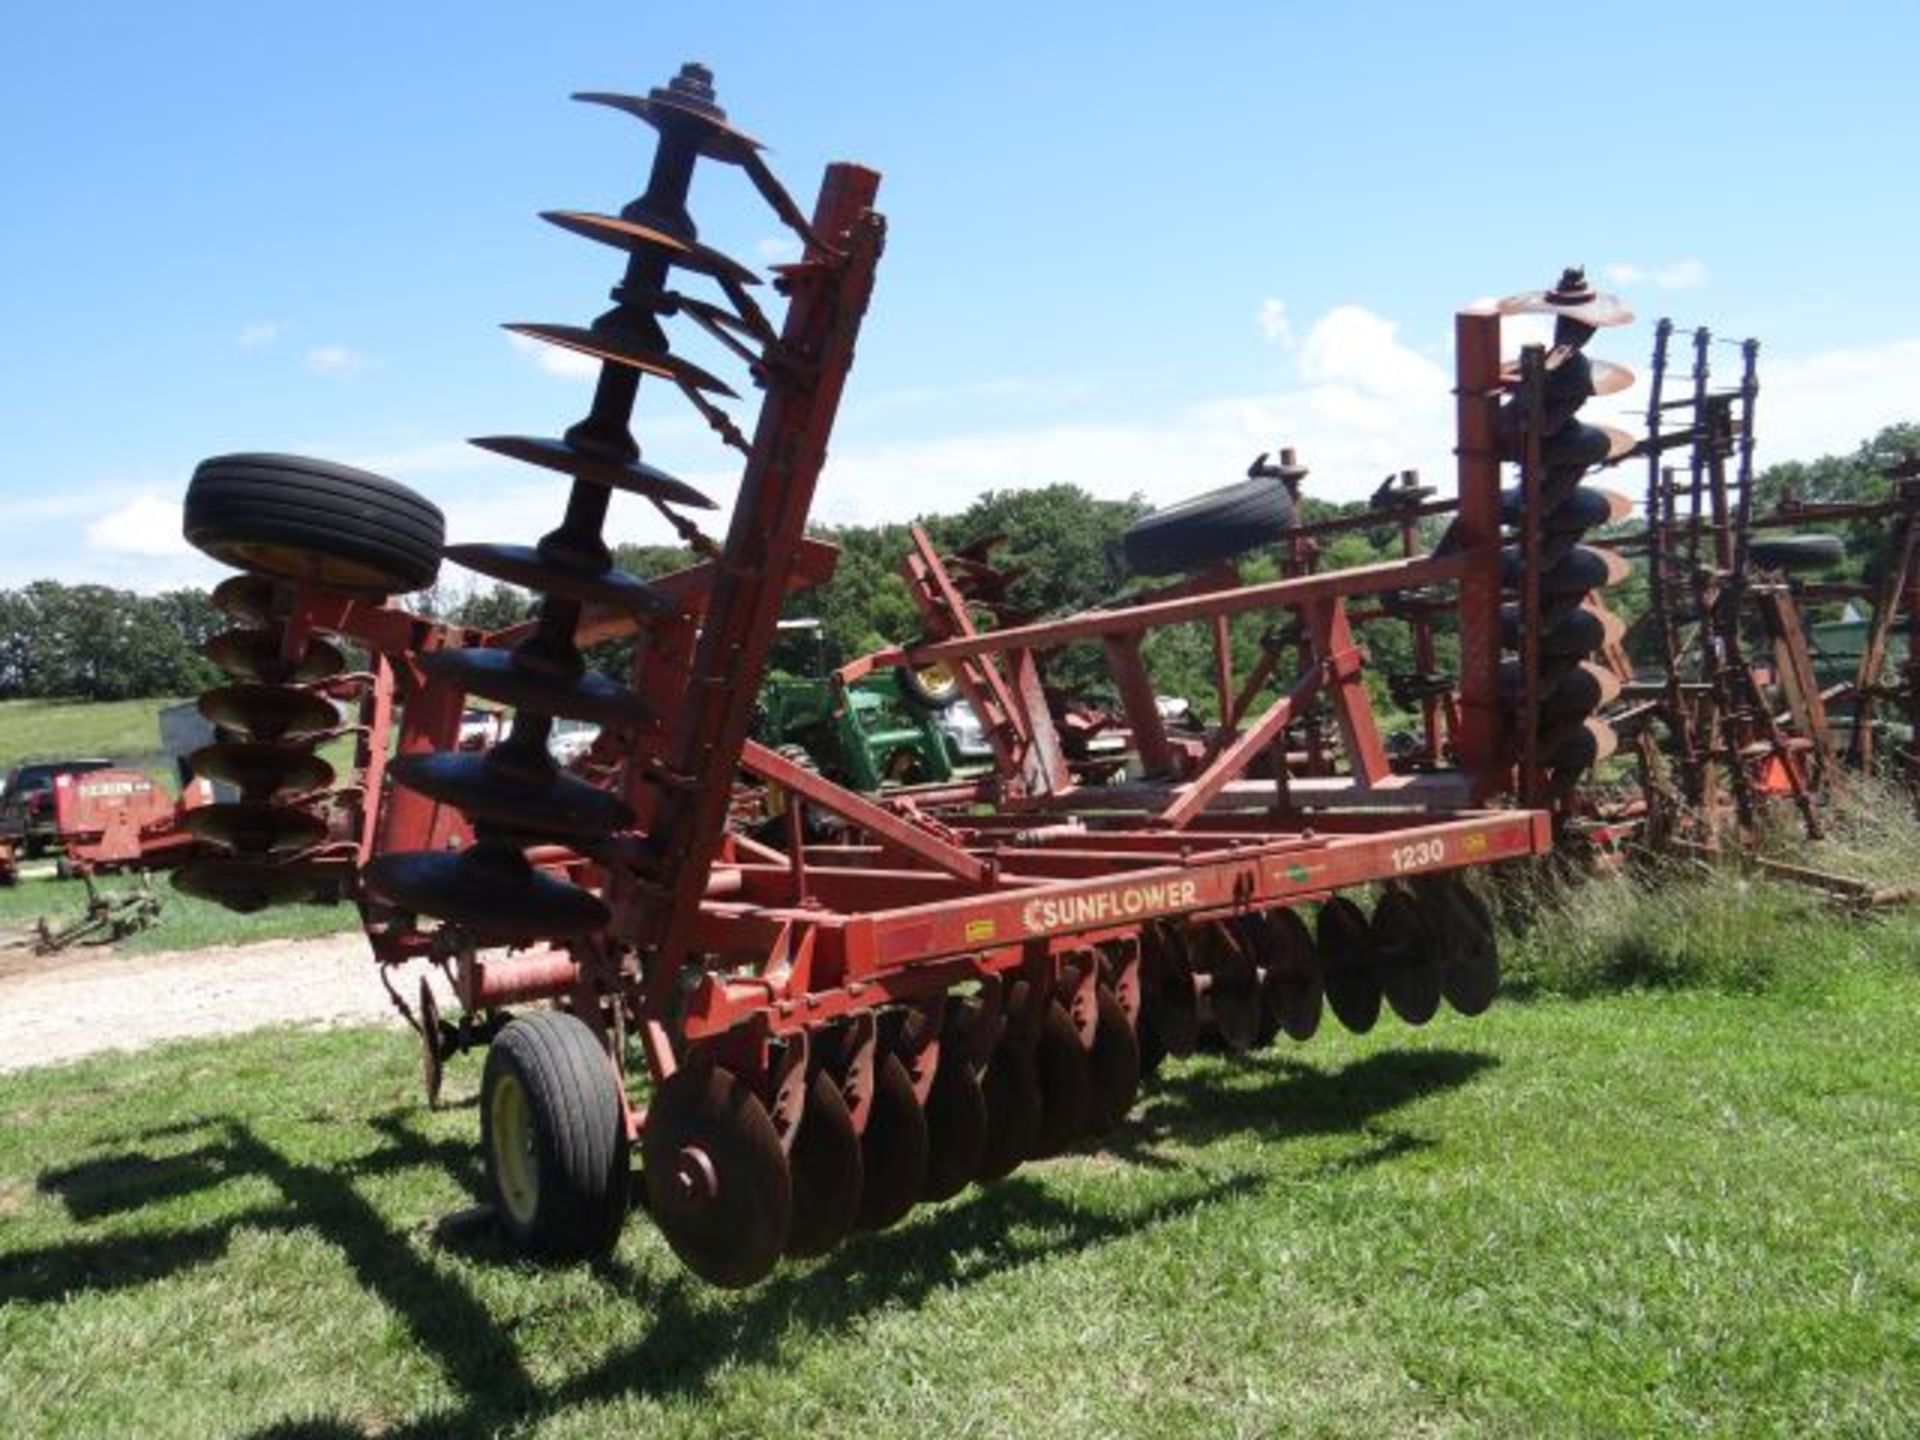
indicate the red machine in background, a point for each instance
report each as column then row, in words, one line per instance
column 122, row 819
column 832, row 1032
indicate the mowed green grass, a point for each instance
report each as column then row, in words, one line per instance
column 1653, row 1213
column 126, row 730
column 184, row 924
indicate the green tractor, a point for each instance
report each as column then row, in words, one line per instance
column 879, row 731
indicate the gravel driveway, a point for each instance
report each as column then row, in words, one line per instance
column 62, row 1007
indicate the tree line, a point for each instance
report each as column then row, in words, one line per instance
column 97, row 643
column 93, row 642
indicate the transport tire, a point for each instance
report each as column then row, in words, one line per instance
column 1208, row 528
column 935, row 686
column 314, row 522
column 1796, row 552
column 554, row 1135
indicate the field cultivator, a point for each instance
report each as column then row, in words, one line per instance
column 967, row 976
column 1738, row 711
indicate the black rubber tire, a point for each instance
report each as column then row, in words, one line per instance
column 1796, row 552
column 312, row 521
column 922, row 691
column 579, row 1136
column 1208, row 528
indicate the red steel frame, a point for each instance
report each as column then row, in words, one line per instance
column 1018, row 874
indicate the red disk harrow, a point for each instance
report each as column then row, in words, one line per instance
column 960, row 979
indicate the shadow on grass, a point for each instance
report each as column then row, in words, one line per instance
column 688, row 1336
column 1290, row 1100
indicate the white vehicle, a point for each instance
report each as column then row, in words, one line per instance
column 481, row 729
column 965, row 736
column 1177, row 711
column 570, row 740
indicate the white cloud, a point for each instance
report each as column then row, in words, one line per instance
column 435, row 457
column 336, row 360
column 1361, row 404
column 1366, row 404
column 556, row 359
column 257, row 335
column 778, row 249
column 145, row 525
column 1350, row 346
column 1681, row 275
column 1827, row 403
column 1272, row 319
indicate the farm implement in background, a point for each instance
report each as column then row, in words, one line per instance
column 967, row 975
column 108, row 916
column 109, row 820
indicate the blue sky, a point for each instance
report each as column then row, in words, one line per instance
column 1130, row 244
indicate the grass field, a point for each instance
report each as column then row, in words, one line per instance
column 125, row 730
column 1653, row 1213
column 185, row 923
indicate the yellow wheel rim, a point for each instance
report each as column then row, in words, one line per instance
column 938, row 679
column 516, row 1171
column 288, row 562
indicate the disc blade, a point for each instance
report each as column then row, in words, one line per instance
column 269, row 712
column 1170, row 1004
column 1295, row 991
column 1604, row 376
column 1011, row 1089
column 957, row 1126
column 489, row 888
column 1577, row 689
column 622, row 350
column 893, row 1148
column 1593, row 308
column 632, row 476
column 262, row 770
column 1576, row 748
column 433, row 1060
column 1114, row 1063
column 1406, row 957
column 246, row 598
column 1582, row 568
column 1352, row 987
column 499, row 675
column 718, row 1184
column 1585, row 630
column 717, row 139
column 826, row 1167
column 541, row 801
column 1470, row 970
column 255, row 827
column 628, row 235
column 1230, row 983
column 525, row 566
column 255, row 655
column 248, row 885
column 1066, row 1082
column 1252, row 930
column 1584, row 508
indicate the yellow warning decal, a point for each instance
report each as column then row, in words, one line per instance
column 980, row 930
